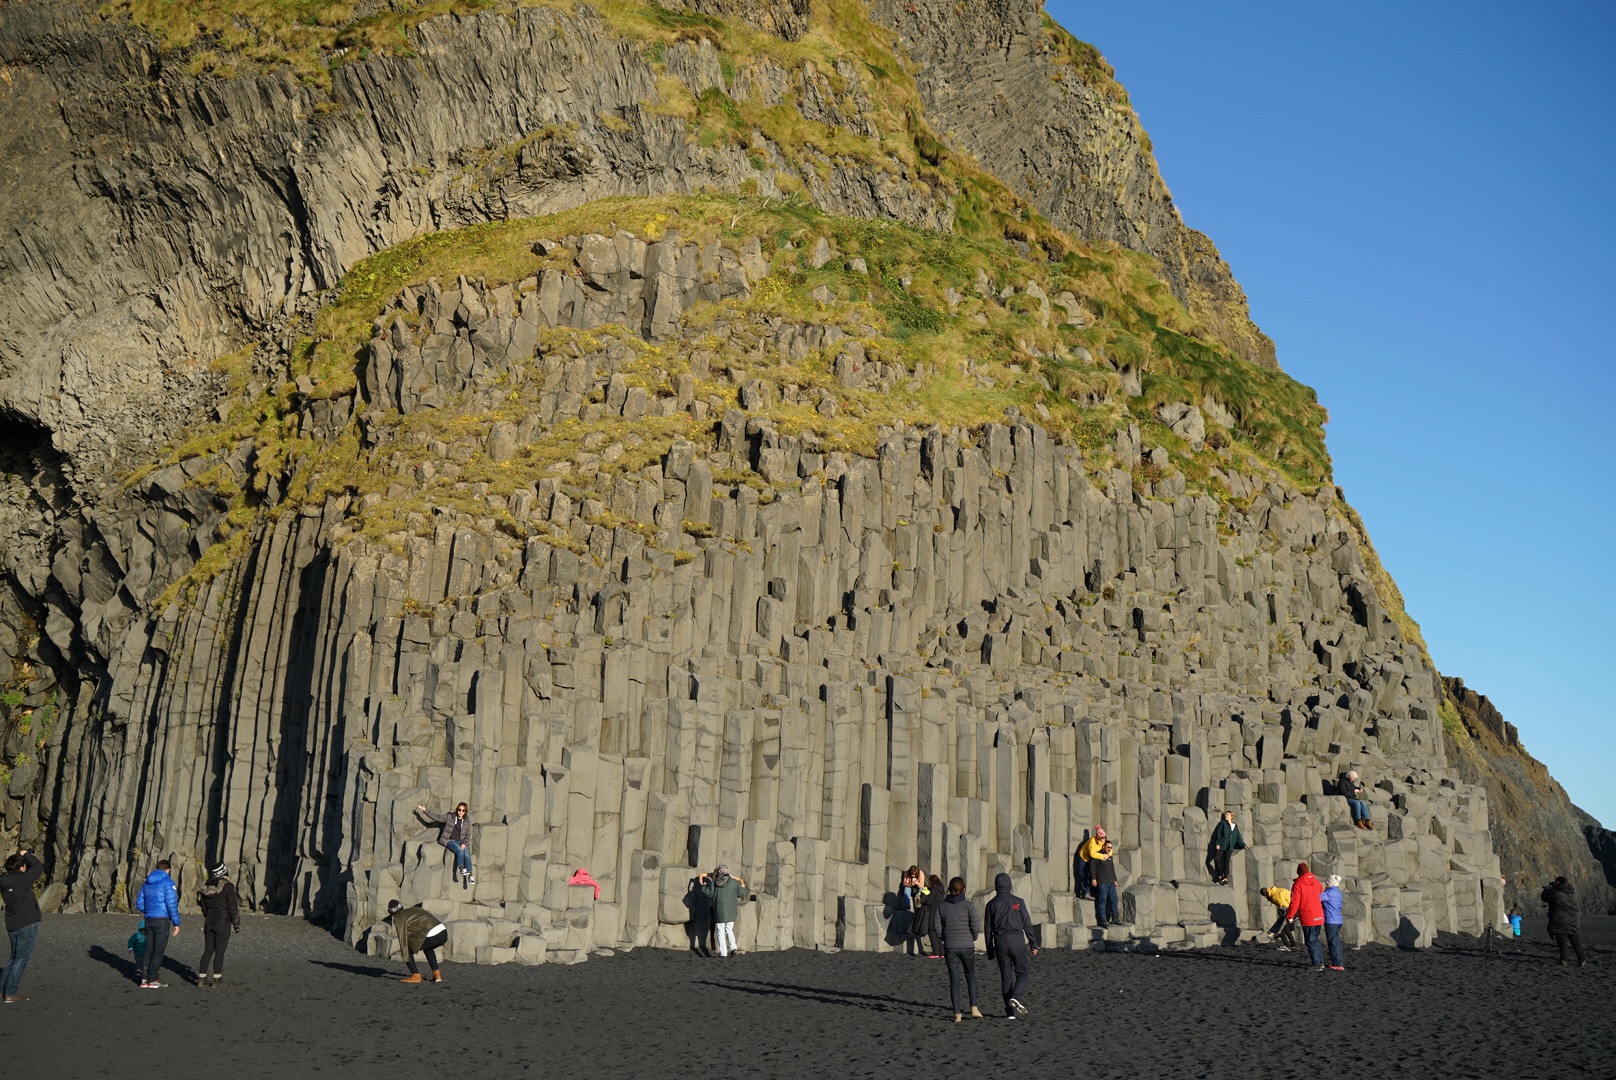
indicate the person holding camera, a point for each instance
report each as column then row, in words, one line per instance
column 22, row 918
column 724, row 895
column 1226, row 840
column 159, row 901
column 1561, row 899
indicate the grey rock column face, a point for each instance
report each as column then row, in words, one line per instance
column 965, row 652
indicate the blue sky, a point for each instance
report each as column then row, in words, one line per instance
column 1417, row 198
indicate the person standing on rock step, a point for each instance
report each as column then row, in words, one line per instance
column 1010, row 936
column 22, row 919
column 1087, row 852
column 454, row 833
column 159, row 901
column 960, row 926
column 1306, row 906
column 1561, row 899
column 221, row 916
column 725, row 894
column 1103, row 883
column 1226, row 840
column 1331, row 900
column 419, row 931
column 1357, row 800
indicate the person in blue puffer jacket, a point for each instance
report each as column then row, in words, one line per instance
column 1330, row 900
column 159, row 902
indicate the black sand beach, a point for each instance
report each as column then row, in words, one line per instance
column 298, row 1002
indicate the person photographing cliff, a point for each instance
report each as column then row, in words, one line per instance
column 454, row 835
column 22, row 918
column 1010, row 937
column 419, row 931
column 724, row 893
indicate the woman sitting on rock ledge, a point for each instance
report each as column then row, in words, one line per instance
column 454, row 833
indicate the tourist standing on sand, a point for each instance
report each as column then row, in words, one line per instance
column 418, row 931
column 1563, row 918
column 1226, row 840
column 1010, row 934
column 22, row 919
column 959, row 925
column 221, row 916
column 1103, row 882
column 1514, row 918
column 159, row 901
column 454, row 833
column 1357, row 799
column 1086, row 854
column 927, row 927
column 1282, row 930
column 725, row 894
column 1331, row 901
column 1306, row 906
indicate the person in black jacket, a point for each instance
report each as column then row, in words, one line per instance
column 959, row 926
column 22, row 918
column 1563, row 915
column 1010, row 934
column 221, row 915
column 926, row 923
column 1104, row 884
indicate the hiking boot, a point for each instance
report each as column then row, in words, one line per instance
column 976, row 1014
column 1020, row 1009
column 412, row 978
column 437, row 976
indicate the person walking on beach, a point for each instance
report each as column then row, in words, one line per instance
column 159, row 901
column 1357, row 799
column 1226, row 840
column 1010, row 934
column 221, row 916
column 418, row 932
column 1283, row 930
column 1087, row 852
column 724, row 894
column 1331, row 900
column 959, row 925
column 1305, row 905
column 1561, row 899
column 1103, row 883
column 454, row 833
column 22, row 919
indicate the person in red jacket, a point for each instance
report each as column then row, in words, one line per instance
column 1306, row 906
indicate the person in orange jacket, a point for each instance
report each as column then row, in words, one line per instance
column 1306, row 906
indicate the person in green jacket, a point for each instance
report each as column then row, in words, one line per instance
column 1226, row 840
column 418, row 930
column 725, row 894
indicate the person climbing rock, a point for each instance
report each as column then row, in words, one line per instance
column 418, row 931
column 1010, row 936
column 1357, row 799
column 1332, row 901
column 1306, row 907
column 960, row 926
column 725, row 893
column 22, row 918
column 221, row 916
column 159, row 901
column 1561, row 899
column 1226, row 840
column 454, row 833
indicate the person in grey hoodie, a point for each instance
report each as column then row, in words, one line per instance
column 1010, row 935
column 959, row 926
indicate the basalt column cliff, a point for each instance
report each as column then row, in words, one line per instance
column 672, row 432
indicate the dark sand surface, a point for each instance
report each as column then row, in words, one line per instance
column 299, row 1003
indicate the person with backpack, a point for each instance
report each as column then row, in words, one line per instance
column 1561, row 899
column 22, row 919
column 1010, row 934
column 418, row 931
column 1306, row 906
column 725, row 894
column 1332, row 901
column 1226, row 840
column 159, row 901
column 454, row 835
column 959, row 926
column 221, row 916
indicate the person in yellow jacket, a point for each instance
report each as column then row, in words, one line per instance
column 1281, row 930
column 1088, row 852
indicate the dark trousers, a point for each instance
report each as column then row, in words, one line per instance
column 1012, row 957
column 1082, row 879
column 1332, row 938
column 1220, row 863
column 1575, row 941
column 961, row 967
column 1315, row 946
column 215, row 939
column 430, row 946
column 22, row 950
column 158, row 931
column 1284, row 931
column 1105, row 904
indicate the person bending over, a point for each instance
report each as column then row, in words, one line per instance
column 960, row 926
column 454, row 833
column 1283, row 931
column 418, row 932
